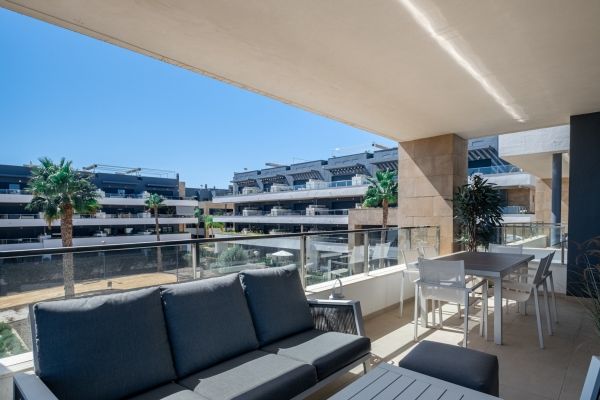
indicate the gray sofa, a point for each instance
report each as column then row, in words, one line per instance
column 251, row 335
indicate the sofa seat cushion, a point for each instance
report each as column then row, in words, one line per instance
column 328, row 352
column 102, row 347
column 277, row 302
column 170, row 391
column 208, row 322
column 465, row 367
column 254, row 375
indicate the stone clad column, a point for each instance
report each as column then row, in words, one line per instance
column 429, row 171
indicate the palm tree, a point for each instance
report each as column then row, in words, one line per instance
column 154, row 202
column 198, row 215
column 382, row 192
column 59, row 191
column 209, row 224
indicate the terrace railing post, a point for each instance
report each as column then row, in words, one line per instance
column 303, row 260
column 366, row 253
column 194, row 259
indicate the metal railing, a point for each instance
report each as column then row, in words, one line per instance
column 496, row 169
column 33, row 275
column 105, row 195
column 286, row 212
column 306, row 186
column 97, row 216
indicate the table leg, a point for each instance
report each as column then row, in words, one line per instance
column 498, row 310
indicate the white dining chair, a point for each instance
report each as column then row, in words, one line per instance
column 548, row 278
column 498, row 248
column 516, row 249
column 523, row 292
column 427, row 251
column 408, row 275
column 444, row 281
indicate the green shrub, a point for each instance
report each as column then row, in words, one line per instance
column 10, row 344
column 231, row 256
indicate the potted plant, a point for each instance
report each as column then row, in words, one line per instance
column 478, row 211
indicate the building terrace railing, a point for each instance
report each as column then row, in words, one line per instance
column 496, row 169
column 97, row 216
column 285, row 212
column 104, row 195
column 29, row 276
column 316, row 186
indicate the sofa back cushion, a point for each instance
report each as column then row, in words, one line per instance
column 277, row 302
column 103, row 347
column 208, row 322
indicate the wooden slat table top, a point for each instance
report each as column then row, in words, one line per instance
column 387, row 382
column 489, row 265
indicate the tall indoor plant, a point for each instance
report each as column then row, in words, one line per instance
column 59, row 191
column 478, row 211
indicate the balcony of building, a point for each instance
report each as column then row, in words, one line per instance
column 313, row 189
column 369, row 263
column 97, row 219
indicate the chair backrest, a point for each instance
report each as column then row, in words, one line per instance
column 427, row 251
column 548, row 263
column 442, row 280
column 539, row 272
column 410, row 258
column 381, row 250
column 442, row 273
column 591, row 386
column 497, row 248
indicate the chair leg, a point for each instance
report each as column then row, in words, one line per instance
column 538, row 318
column 440, row 315
column 366, row 367
column 459, row 313
column 553, row 299
column 416, row 311
column 485, row 314
column 547, row 306
column 466, row 325
column 433, row 310
column 401, row 295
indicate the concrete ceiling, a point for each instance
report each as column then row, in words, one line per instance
column 404, row 69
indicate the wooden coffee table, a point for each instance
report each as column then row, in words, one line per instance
column 387, row 382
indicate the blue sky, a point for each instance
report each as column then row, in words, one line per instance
column 65, row 94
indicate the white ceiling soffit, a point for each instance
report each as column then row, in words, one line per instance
column 404, row 69
column 533, row 150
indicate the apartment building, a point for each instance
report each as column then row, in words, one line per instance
column 123, row 216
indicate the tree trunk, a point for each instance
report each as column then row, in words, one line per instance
column 206, row 233
column 384, row 222
column 159, row 265
column 66, row 233
column 197, row 229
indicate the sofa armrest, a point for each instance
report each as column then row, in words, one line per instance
column 31, row 387
column 337, row 315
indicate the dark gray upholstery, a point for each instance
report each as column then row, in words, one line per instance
column 103, row 347
column 277, row 303
column 208, row 322
column 170, row 391
column 326, row 351
column 255, row 375
column 464, row 367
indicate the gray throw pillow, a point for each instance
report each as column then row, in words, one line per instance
column 103, row 347
column 208, row 322
column 277, row 302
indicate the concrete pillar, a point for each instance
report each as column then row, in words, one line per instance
column 429, row 171
column 555, row 217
